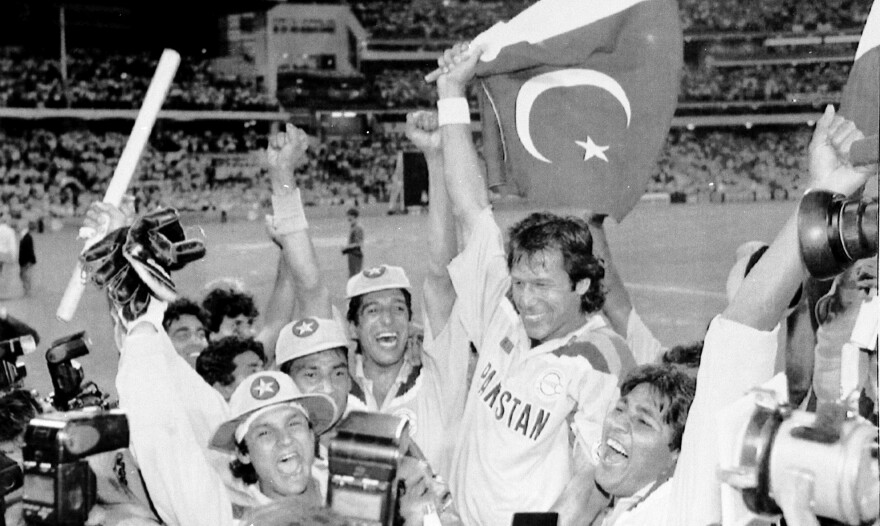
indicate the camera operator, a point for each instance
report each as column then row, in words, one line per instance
column 739, row 353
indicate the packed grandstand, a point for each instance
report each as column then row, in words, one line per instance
column 743, row 59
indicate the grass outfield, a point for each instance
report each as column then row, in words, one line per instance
column 675, row 260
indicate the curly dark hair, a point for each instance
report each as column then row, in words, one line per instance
column 224, row 303
column 215, row 364
column 675, row 388
column 17, row 407
column 354, row 306
column 570, row 235
column 182, row 307
column 686, row 355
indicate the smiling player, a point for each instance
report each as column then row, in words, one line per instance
column 548, row 362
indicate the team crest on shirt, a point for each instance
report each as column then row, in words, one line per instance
column 409, row 415
column 550, row 384
column 374, row 272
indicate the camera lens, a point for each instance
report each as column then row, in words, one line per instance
column 858, row 229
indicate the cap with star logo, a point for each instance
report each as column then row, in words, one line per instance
column 262, row 391
column 376, row 278
column 309, row 336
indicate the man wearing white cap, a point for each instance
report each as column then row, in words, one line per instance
column 379, row 313
column 314, row 353
column 272, row 433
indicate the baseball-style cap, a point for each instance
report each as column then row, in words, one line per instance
column 309, row 336
column 261, row 392
column 377, row 278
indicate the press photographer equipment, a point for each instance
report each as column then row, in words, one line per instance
column 59, row 486
column 67, row 375
column 12, row 371
column 834, row 448
column 834, row 232
column 838, row 452
column 11, row 374
column 364, row 460
column 11, row 349
column 11, row 478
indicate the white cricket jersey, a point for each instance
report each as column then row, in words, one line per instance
column 431, row 396
column 513, row 452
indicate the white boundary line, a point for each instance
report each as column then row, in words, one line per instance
column 676, row 290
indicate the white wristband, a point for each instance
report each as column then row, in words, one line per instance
column 453, row 110
column 289, row 215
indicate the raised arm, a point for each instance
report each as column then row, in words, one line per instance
column 285, row 152
column 461, row 167
column 738, row 354
column 617, row 306
column 424, row 132
column 767, row 291
column 279, row 309
column 171, row 411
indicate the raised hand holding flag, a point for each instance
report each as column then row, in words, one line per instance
column 860, row 101
column 577, row 99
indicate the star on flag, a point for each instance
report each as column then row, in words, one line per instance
column 591, row 149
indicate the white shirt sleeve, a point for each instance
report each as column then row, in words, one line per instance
column 735, row 359
column 641, row 341
column 446, row 358
column 594, row 393
column 480, row 276
column 165, row 439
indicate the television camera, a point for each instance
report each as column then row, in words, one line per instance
column 59, row 485
column 834, row 448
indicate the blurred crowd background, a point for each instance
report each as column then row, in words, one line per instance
column 51, row 168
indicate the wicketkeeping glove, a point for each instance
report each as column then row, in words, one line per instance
column 134, row 263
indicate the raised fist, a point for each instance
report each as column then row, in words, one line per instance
column 285, row 152
column 423, row 130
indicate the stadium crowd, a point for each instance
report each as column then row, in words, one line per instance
column 54, row 175
column 528, row 379
column 103, row 79
column 463, row 19
column 48, row 175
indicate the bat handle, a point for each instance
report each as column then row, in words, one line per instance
column 77, row 284
column 72, row 294
column 434, row 75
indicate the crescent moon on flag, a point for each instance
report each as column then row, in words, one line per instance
column 563, row 78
